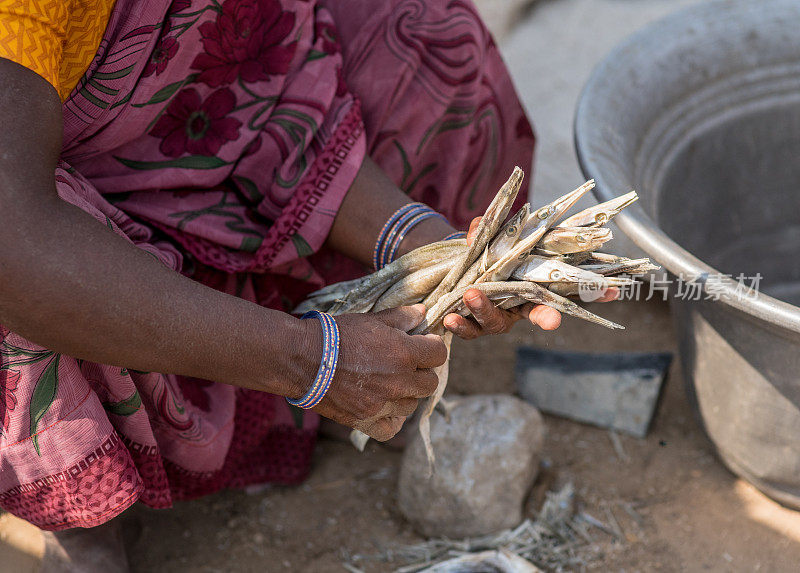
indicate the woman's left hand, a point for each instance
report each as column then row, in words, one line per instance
column 488, row 319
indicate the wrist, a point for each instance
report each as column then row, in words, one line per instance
column 305, row 355
column 426, row 232
column 290, row 363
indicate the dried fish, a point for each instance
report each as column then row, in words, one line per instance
column 630, row 267
column 490, row 222
column 566, row 240
column 414, row 287
column 507, row 237
column 544, row 270
column 535, row 227
column 600, row 214
column 511, row 262
column 374, row 285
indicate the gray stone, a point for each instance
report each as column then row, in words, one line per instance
column 614, row 390
column 487, row 457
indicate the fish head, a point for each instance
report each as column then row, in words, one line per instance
column 600, row 214
column 565, row 240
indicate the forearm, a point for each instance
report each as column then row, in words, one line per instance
column 371, row 200
column 72, row 285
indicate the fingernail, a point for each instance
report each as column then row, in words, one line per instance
column 475, row 302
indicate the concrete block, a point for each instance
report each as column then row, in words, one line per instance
column 617, row 391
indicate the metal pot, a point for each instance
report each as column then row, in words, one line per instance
column 700, row 113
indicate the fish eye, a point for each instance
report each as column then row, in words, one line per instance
column 580, row 239
column 555, row 275
column 601, row 218
column 543, row 214
column 512, row 230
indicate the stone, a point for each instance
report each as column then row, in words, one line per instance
column 487, row 458
column 617, row 390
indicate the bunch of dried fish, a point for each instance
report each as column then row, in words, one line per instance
column 534, row 257
column 531, row 258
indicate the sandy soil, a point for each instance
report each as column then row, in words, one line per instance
column 677, row 507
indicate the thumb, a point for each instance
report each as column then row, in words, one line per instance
column 473, row 228
column 402, row 318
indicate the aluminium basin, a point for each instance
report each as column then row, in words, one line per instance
column 700, row 113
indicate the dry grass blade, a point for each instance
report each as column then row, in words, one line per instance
column 557, row 540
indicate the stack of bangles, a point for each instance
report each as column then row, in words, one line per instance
column 396, row 228
column 327, row 366
column 389, row 239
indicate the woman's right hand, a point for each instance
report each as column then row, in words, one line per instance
column 382, row 370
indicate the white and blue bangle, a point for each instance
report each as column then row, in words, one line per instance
column 327, row 366
column 387, row 227
column 413, row 222
column 395, row 230
column 456, row 235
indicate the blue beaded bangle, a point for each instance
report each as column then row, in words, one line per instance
column 387, row 227
column 399, row 223
column 389, row 241
column 410, row 225
column 456, row 235
column 327, row 366
column 391, row 236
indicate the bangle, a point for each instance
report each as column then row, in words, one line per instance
column 395, row 230
column 327, row 366
column 410, row 225
column 389, row 240
column 387, row 227
column 456, row 235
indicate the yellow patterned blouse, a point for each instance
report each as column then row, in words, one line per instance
column 57, row 39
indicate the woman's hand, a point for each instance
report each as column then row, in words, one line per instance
column 488, row 319
column 382, row 371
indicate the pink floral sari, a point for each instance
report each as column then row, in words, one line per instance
column 221, row 138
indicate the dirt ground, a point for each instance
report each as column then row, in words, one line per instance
column 676, row 506
column 688, row 512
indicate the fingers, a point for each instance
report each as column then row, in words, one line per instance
column 383, row 429
column 429, row 350
column 391, row 419
column 406, row 407
column 424, row 383
column 612, row 293
column 462, row 326
column 545, row 317
column 492, row 319
column 522, row 311
column 473, row 228
column 402, row 318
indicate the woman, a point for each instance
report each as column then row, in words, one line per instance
column 206, row 166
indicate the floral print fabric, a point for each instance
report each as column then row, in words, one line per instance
column 221, row 138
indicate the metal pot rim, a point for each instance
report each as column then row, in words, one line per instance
column 634, row 222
